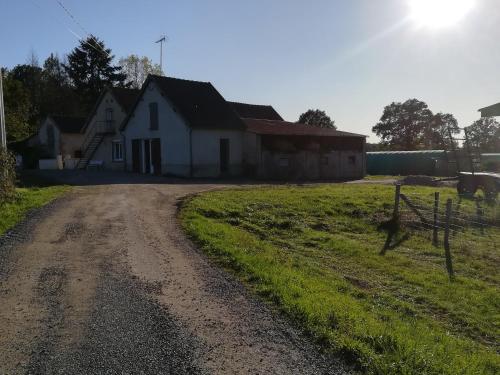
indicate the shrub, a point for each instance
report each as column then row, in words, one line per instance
column 7, row 175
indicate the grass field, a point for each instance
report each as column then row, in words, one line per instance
column 26, row 199
column 316, row 254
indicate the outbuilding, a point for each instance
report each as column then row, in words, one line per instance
column 289, row 151
column 61, row 135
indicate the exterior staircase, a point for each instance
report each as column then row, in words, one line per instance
column 89, row 151
column 92, row 141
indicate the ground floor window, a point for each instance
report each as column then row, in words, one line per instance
column 117, row 150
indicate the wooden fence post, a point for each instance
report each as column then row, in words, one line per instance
column 397, row 196
column 447, row 253
column 436, row 219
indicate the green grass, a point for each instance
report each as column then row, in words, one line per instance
column 315, row 252
column 381, row 177
column 26, row 199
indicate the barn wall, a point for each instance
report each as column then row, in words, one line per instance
column 311, row 158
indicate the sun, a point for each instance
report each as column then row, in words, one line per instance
column 439, row 13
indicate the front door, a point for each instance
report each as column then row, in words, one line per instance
column 224, row 156
column 156, row 156
column 136, row 155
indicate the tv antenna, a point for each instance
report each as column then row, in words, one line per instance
column 161, row 41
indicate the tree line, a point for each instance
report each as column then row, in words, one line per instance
column 411, row 125
column 68, row 86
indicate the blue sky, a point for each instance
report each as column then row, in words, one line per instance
column 347, row 57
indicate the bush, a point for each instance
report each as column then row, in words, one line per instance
column 7, row 175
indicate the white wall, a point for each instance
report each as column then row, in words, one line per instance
column 206, row 152
column 172, row 130
column 104, row 151
column 43, row 137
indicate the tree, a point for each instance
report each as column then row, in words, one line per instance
column 59, row 97
column 316, row 117
column 137, row 69
column 403, row 125
column 17, row 109
column 90, row 70
column 30, row 77
column 485, row 134
column 436, row 134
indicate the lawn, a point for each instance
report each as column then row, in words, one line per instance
column 316, row 253
column 26, row 199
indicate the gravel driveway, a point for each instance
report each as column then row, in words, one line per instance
column 104, row 282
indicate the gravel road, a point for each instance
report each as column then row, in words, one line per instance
column 103, row 281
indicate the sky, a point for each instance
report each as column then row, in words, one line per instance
column 347, row 57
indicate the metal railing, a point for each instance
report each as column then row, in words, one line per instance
column 98, row 127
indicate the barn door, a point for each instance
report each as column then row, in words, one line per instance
column 136, row 155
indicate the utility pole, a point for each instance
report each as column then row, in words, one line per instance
column 3, row 135
column 161, row 41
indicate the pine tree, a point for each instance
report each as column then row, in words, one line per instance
column 90, row 70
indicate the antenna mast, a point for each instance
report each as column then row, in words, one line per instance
column 161, row 41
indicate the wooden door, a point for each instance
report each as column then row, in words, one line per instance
column 156, row 156
column 224, row 155
column 147, row 156
column 136, row 155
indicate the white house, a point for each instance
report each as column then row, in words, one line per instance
column 61, row 135
column 102, row 141
column 184, row 128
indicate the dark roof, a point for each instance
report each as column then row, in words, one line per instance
column 264, row 112
column 198, row 102
column 490, row 111
column 272, row 127
column 69, row 124
column 125, row 97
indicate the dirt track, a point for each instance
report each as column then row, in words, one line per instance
column 107, row 283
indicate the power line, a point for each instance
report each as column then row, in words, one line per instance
column 88, row 35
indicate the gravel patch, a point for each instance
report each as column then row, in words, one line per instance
column 23, row 233
column 128, row 332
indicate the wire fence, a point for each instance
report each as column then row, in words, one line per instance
column 451, row 223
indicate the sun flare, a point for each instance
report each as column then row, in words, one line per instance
column 439, row 13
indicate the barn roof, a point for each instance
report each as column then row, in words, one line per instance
column 198, row 102
column 69, row 124
column 257, row 111
column 273, row 127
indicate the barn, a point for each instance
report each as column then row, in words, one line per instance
column 186, row 128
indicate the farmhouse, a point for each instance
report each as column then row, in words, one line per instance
column 184, row 128
column 187, row 128
column 103, row 142
column 61, row 135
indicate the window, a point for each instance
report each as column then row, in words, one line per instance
column 109, row 114
column 117, row 149
column 153, row 116
column 284, row 162
column 352, row 160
